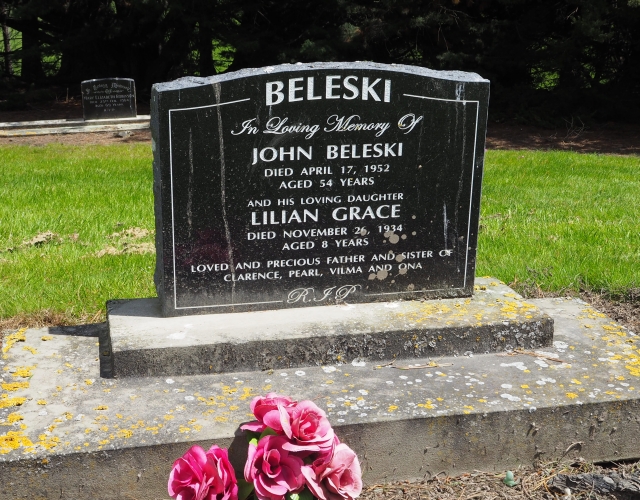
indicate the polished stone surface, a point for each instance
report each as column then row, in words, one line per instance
column 108, row 98
column 314, row 184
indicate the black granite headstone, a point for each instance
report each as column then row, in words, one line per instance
column 314, row 184
column 108, row 98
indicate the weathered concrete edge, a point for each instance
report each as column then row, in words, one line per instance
column 72, row 122
column 73, row 130
column 141, row 342
column 497, row 438
column 404, row 449
column 400, row 343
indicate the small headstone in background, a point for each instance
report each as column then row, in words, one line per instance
column 315, row 184
column 108, row 98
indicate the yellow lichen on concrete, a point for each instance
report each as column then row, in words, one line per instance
column 24, row 371
column 14, row 417
column 247, row 392
column 7, row 402
column 511, row 309
column 139, row 424
column 46, row 338
column 593, row 314
column 10, row 340
column 209, row 402
column 13, row 440
column 48, row 442
column 30, row 349
column 616, row 330
column 14, row 386
column 633, row 363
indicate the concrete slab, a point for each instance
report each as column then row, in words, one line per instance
column 143, row 343
column 69, row 434
column 49, row 127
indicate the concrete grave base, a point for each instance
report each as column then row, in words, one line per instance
column 51, row 127
column 143, row 343
column 69, row 434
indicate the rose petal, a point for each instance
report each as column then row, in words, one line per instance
column 253, row 426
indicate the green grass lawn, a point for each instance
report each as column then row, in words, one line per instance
column 555, row 220
column 88, row 197
column 561, row 221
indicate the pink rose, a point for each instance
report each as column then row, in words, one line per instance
column 203, row 476
column 310, row 430
column 339, row 479
column 273, row 471
column 270, row 411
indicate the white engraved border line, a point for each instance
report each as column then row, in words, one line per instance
column 370, row 294
column 175, row 294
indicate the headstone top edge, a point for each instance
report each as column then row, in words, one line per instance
column 194, row 81
column 106, row 78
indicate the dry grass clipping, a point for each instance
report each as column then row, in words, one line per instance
column 127, row 242
column 480, row 485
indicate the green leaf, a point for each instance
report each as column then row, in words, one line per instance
column 244, row 489
column 305, row 494
column 251, row 436
column 253, row 441
column 267, row 432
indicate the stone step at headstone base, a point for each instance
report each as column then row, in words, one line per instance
column 143, row 343
column 76, row 436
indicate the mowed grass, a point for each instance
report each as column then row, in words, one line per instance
column 554, row 220
column 98, row 202
column 561, row 221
